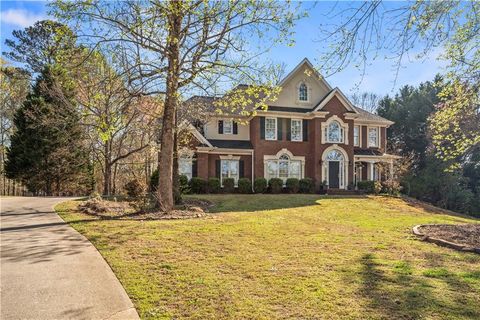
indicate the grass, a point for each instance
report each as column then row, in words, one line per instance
column 319, row 257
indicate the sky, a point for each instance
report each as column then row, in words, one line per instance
column 379, row 76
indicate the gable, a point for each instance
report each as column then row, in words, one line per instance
column 304, row 72
column 335, row 97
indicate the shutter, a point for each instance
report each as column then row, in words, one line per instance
column 235, row 127
column 241, row 169
column 217, row 169
column 262, row 128
column 194, row 168
column 289, row 129
column 220, row 126
column 279, row 128
column 305, row 130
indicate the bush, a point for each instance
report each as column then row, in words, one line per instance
column 198, row 185
column 134, row 188
column 154, row 181
column 306, row 185
column 184, row 188
column 244, row 185
column 370, row 186
column 228, row 185
column 392, row 186
column 293, row 185
column 214, row 185
column 275, row 185
column 260, row 185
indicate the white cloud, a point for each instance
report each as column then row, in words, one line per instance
column 19, row 17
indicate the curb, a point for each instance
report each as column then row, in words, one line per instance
column 441, row 242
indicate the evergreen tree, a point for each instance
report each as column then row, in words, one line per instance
column 47, row 152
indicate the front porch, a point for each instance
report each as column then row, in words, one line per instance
column 373, row 166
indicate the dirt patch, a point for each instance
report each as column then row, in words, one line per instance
column 464, row 236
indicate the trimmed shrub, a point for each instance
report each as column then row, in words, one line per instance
column 306, row 185
column 228, row 185
column 370, row 186
column 275, row 185
column 154, row 181
column 184, row 188
column 198, row 185
column 134, row 188
column 244, row 185
column 214, row 185
column 293, row 185
column 260, row 185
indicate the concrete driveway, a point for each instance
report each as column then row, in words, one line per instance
column 50, row 271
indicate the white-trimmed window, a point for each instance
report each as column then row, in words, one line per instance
column 373, row 137
column 303, row 92
column 270, row 128
column 296, row 130
column 356, row 136
column 227, row 126
column 284, row 168
column 335, row 132
column 185, row 167
column 229, row 169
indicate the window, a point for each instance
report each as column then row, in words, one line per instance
column 296, row 130
column 227, row 127
column 185, row 167
column 270, row 129
column 373, row 137
column 303, row 92
column 356, row 136
column 334, row 132
column 284, row 168
column 229, row 169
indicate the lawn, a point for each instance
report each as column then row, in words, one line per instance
column 289, row 257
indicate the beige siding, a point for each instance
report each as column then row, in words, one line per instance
column 211, row 131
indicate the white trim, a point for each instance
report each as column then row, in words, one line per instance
column 224, row 151
column 223, row 129
column 229, row 157
column 309, row 90
column 343, row 165
column 276, row 128
column 324, row 130
column 301, row 129
column 343, row 99
column 291, row 157
column 379, row 134
column 195, row 133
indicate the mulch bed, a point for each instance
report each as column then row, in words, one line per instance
column 465, row 237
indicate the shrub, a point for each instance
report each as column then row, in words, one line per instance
column 392, row 186
column 184, row 188
column 306, row 185
column 134, row 188
column 214, row 185
column 154, row 181
column 260, row 185
column 293, row 185
column 198, row 185
column 228, row 185
column 370, row 186
column 244, row 185
column 275, row 185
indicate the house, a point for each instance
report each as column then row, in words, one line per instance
column 311, row 130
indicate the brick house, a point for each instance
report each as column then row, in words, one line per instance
column 311, row 130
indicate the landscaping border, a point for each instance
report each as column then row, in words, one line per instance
column 442, row 242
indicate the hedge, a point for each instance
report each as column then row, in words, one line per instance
column 275, row 185
column 293, row 185
column 198, row 185
column 228, row 185
column 306, row 185
column 244, row 185
column 260, row 185
column 214, row 185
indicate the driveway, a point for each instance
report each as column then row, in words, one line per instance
column 50, row 271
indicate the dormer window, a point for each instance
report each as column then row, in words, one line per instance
column 303, row 92
column 227, row 127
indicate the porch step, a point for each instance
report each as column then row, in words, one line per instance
column 342, row 192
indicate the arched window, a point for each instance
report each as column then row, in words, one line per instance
column 303, row 92
column 334, row 132
column 284, row 168
column 335, row 155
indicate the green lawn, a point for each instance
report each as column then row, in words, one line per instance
column 318, row 258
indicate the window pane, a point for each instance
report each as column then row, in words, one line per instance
column 225, row 168
column 227, row 127
column 356, row 136
column 373, row 137
column 334, row 132
column 296, row 130
column 185, row 167
column 272, row 169
column 270, row 129
column 295, row 169
column 303, row 92
column 283, row 169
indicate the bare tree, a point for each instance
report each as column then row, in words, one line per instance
column 366, row 100
column 170, row 47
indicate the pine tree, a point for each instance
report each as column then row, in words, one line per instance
column 47, row 152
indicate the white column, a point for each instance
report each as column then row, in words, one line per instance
column 370, row 169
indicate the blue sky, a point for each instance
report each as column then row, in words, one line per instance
column 379, row 77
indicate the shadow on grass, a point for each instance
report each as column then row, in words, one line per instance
column 256, row 202
column 407, row 296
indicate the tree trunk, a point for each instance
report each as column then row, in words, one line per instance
column 177, row 196
column 165, row 185
column 107, row 172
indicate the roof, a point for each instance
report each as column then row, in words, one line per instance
column 364, row 114
column 288, row 109
column 366, row 152
column 231, row 144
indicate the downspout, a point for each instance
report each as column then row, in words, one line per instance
column 253, row 160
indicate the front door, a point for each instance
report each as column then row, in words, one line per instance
column 333, row 174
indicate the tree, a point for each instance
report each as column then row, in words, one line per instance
column 44, row 44
column 175, row 46
column 47, row 151
column 366, row 100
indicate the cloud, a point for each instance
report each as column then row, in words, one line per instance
column 19, row 17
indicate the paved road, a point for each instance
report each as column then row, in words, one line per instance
column 50, row 271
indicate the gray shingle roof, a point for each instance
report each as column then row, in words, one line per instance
column 231, row 144
column 364, row 114
column 366, row 152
